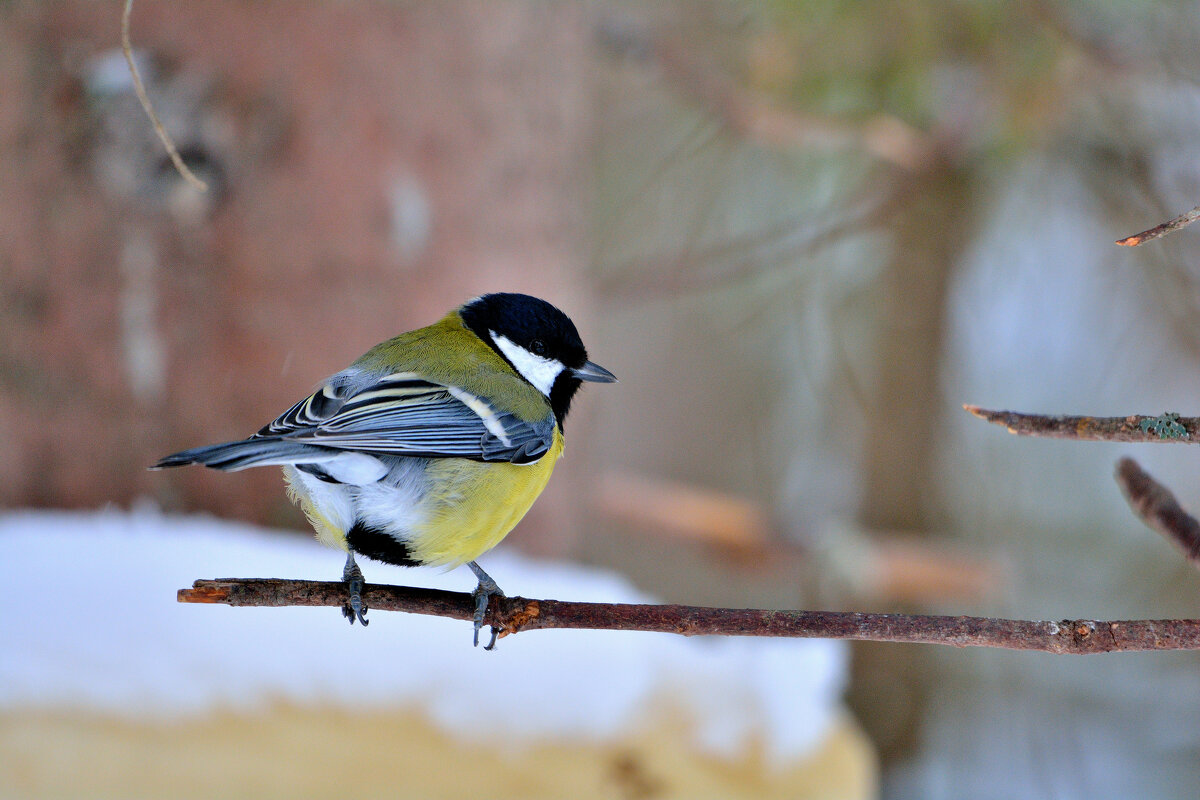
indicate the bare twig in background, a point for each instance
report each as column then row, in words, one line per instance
column 679, row 509
column 1170, row 226
column 514, row 614
column 885, row 566
column 1158, row 508
column 908, row 569
column 140, row 89
column 1167, row 427
column 755, row 118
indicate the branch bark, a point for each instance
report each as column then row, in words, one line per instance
column 1158, row 508
column 1170, row 226
column 139, row 89
column 514, row 614
column 1167, row 427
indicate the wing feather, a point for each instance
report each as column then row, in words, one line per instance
column 406, row 415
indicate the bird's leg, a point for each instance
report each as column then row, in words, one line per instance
column 353, row 578
column 486, row 589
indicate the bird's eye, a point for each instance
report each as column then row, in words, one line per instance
column 537, row 347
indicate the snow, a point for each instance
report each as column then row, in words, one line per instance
column 88, row 620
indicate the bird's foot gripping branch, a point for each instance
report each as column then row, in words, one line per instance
column 431, row 446
column 509, row 615
column 1150, row 500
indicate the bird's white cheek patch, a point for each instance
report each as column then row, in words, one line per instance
column 540, row 371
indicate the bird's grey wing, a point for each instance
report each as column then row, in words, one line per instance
column 312, row 410
column 405, row 415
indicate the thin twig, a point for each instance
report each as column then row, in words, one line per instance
column 513, row 614
column 1133, row 428
column 1158, row 508
column 1170, row 226
column 140, row 89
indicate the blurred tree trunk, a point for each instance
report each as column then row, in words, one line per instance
column 381, row 163
column 899, row 489
column 899, row 492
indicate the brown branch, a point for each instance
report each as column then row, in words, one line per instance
column 1133, row 428
column 514, row 614
column 1158, row 508
column 140, row 90
column 1170, row 226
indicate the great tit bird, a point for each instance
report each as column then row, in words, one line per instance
column 431, row 447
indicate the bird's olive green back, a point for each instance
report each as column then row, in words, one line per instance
column 449, row 353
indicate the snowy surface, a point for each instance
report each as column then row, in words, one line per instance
column 131, row 649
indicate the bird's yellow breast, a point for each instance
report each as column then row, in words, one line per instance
column 473, row 505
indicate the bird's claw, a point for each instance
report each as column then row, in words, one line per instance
column 483, row 594
column 486, row 590
column 354, row 608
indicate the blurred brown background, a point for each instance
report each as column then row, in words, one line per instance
column 801, row 234
column 369, row 172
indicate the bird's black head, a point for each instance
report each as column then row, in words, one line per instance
column 538, row 341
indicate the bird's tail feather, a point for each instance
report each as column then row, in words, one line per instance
column 257, row 452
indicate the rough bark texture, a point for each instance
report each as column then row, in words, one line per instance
column 1133, row 428
column 515, row 614
column 1170, row 226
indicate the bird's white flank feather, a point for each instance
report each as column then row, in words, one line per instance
column 357, row 469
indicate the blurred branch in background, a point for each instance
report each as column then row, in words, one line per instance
column 1150, row 500
column 671, row 508
column 514, row 614
column 144, row 99
column 883, row 567
column 756, row 118
column 1159, row 509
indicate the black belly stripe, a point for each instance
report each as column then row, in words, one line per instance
column 378, row 545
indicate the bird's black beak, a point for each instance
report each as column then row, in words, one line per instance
column 594, row 373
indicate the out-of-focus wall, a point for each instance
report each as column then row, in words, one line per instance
column 372, row 166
